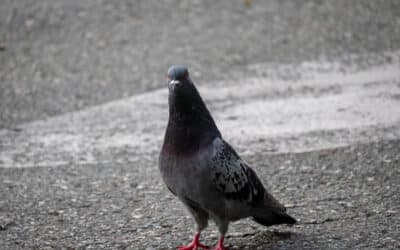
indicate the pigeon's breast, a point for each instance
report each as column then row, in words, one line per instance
column 186, row 175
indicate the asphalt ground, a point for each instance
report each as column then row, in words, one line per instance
column 344, row 198
column 58, row 56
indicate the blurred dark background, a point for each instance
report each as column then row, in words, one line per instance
column 63, row 55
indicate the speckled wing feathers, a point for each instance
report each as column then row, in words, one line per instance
column 233, row 177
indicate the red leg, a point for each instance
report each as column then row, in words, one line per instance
column 195, row 244
column 220, row 245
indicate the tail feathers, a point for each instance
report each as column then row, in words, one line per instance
column 275, row 219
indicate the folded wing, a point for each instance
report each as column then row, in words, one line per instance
column 233, row 177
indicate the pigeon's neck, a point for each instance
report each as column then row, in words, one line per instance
column 188, row 132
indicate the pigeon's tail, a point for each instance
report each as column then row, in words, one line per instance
column 275, row 218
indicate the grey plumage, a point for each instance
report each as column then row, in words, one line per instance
column 204, row 171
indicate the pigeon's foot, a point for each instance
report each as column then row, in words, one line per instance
column 195, row 244
column 220, row 245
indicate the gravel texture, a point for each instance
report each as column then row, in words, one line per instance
column 344, row 198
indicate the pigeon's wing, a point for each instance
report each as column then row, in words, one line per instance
column 233, row 177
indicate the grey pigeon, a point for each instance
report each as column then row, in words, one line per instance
column 204, row 171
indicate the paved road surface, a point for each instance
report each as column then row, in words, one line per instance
column 63, row 55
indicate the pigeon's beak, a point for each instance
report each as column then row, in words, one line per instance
column 174, row 82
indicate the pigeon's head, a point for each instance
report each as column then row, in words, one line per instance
column 177, row 75
column 190, row 123
column 183, row 95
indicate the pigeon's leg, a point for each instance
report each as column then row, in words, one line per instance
column 222, row 228
column 201, row 218
column 220, row 245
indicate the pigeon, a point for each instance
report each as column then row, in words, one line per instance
column 204, row 172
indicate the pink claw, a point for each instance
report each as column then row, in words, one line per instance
column 195, row 244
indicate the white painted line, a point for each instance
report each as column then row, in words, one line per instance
column 330, row 107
